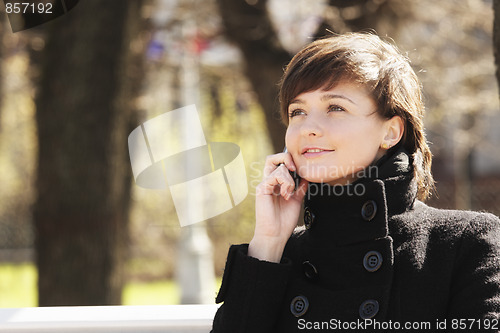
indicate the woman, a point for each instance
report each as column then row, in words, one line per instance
column 371, row 254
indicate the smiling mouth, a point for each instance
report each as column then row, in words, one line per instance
column 315, row 152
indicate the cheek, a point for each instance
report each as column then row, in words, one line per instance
column 291, row 137
column 361, row 143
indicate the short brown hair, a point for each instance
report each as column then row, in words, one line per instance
column 366, row 59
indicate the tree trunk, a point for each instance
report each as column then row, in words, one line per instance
column 3, row 29
column 84, row 109
column 496, row 38
column 250, row 28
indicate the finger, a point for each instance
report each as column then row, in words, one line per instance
column 287, row 184
column 287, row 189
column 288, row 161
column 274, row 161
column 278, row 183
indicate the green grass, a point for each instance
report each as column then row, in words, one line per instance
column 18, row 285
column 18, row 289
column 151, row 293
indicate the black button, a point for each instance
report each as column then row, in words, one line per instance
column 369, row 210
column 368, row 309
column 372, row 261
column 299, row 306
column 308, row 218
column 309, row 270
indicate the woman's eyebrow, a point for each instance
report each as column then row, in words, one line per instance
column 333, row 96
column 297, row 101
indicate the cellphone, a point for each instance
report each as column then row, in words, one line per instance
column 295, row 176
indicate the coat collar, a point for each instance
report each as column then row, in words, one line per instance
column 359, row 212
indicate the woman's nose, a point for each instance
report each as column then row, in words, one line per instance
column 312, row 127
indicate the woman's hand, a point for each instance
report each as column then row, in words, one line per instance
column 277, row 208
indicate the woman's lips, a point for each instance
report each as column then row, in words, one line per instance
column 315, row 152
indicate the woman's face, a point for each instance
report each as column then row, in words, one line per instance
column 334, row 134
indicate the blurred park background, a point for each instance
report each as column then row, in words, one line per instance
column 76, row 230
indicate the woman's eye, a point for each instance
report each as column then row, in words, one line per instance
column 335, row 108
column 295, row 112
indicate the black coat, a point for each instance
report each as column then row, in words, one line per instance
column 370, row 251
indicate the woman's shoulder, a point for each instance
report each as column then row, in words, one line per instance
column 448, row 222
column 453, row 216
column 447, row 241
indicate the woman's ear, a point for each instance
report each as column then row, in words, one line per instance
column 394, row 129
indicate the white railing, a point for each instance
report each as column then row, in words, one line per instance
column 93, row 319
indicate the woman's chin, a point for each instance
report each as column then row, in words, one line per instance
column 328, row 180
column 319, row 179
